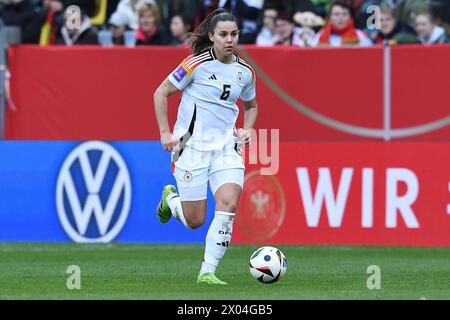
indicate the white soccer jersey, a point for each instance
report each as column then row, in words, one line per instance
column 208, row 112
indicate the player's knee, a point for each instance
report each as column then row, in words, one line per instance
column 227, row 205
column 195, row 222
column 231, row 207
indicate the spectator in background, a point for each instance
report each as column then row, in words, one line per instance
column 287, row 34
column 180, row 27
column 441, row 10
column 87, row 6
column 340, row 29
column 267, row 33
column 118, row 25
column 322, row 7
column 309, row 20
column 404, row 10
column 303, row 11
column 304, row 14
column 124, row 18
column 84, row 35
column 186, row 8
column 127, row 13
column 15, row 12
column 391, row 30
column 293, row 5
column 25, row 15
column 59, row 6
column 51, row 12
column 247, row 12
column 428, row 32
column 151, row 31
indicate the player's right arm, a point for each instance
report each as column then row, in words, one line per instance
column 168, row 140
column 176, row 81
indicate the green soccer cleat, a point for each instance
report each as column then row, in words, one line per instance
column 209, row 278
column 163, row 211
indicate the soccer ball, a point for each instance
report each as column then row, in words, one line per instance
column 268, row 264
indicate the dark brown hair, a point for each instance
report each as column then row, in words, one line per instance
column 200, row 36
column 343, row 4
column 428, row 13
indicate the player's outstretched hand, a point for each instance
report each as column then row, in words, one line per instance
column 244, row 136
column 170, row 142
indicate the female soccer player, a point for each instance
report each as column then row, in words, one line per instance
column 205, row 144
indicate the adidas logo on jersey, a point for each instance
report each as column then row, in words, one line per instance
column 213, row 77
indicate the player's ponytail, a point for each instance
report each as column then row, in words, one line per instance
column 200, row 36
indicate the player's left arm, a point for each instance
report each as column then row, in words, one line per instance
column 250, row 115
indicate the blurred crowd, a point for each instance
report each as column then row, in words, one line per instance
column 304, row 23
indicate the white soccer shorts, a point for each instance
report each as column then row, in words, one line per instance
column 194, row 169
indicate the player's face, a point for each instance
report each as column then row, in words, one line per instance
column 225, row 37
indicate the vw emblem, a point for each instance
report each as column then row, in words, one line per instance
column 93, row 193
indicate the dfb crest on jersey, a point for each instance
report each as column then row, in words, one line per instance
column 239, row 77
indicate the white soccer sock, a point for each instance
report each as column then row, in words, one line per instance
column 217, row 240
column 176, row 208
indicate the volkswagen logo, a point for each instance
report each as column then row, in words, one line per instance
column 93, row 193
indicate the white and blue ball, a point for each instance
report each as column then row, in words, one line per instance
column 268, row 264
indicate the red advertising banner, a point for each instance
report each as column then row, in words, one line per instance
column 348, row 193
column 338, row 94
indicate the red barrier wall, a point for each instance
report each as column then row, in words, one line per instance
column 337, row 192
column 367, row 193
column 84, row 93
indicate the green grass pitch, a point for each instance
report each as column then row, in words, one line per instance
column 164, row 271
